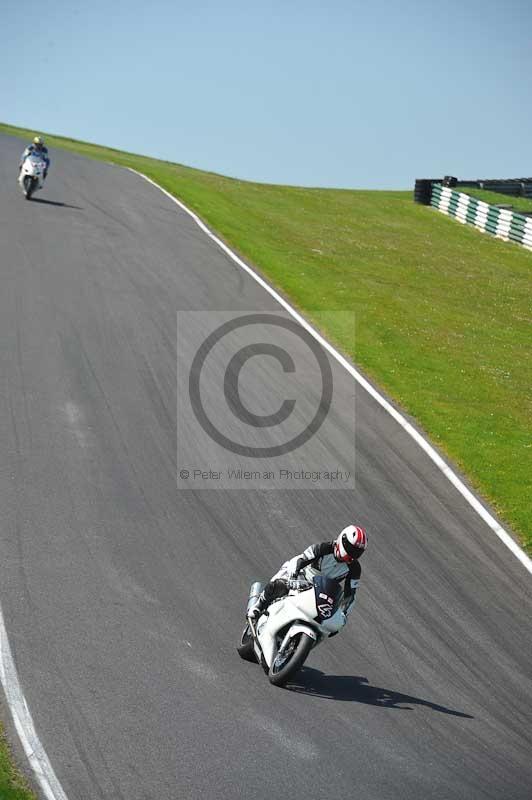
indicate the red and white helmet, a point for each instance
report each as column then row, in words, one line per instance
column 350, row 543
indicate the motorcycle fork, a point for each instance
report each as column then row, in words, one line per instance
column 284, row 642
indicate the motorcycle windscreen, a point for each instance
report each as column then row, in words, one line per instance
column 36, row 161
column 328, row 596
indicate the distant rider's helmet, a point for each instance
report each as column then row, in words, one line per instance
column 350, row 544
column 38, row 142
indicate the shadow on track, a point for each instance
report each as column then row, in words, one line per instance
column 357, row 690
column 54, row 203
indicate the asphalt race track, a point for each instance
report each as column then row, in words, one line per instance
column 123, row 592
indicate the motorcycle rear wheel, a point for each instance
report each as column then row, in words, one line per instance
column 281, row 671
column 245, row 649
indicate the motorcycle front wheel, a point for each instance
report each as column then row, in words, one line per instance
column 287, row 663
column 28, row 187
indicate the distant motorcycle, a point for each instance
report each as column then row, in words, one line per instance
column 31, row 177
column 281, row 639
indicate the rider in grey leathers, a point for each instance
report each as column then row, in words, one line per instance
column 336, row 559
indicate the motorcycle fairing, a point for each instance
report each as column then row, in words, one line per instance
column 300, row 609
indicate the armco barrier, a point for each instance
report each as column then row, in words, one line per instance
column 515, row 187
column 498, row 222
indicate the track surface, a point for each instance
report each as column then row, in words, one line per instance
column 123, row 596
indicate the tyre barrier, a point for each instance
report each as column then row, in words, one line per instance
column 423, row 190
column 499, row 222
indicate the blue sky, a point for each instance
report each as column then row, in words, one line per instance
column 349, row 94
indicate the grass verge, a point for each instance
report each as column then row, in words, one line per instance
column 12, row 785
column 443, row 313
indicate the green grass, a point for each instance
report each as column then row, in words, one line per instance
column 518, row 204
column 12, row 785
column 443, row 312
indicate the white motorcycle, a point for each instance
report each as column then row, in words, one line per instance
column 281, row 639
column 31, row 177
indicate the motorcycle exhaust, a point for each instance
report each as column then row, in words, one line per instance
column 254, row 593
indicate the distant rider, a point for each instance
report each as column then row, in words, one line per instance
column 337, row 560
column 37, row 147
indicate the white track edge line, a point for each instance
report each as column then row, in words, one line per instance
column 503, row 535
column 22, row 718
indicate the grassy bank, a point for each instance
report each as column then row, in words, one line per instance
column 12, row 785
column 443, row 313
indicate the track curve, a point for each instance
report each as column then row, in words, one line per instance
column 123, row 596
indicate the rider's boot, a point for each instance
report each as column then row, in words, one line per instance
column 260, row 606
